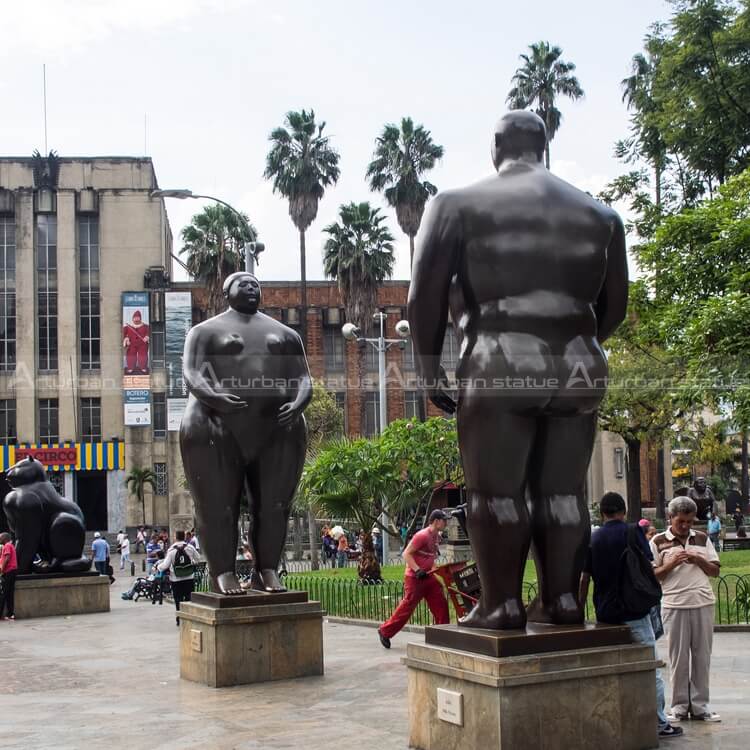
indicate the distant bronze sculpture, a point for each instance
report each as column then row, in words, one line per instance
column 243, row 427
column 702, row 495
column 43, row 522
column 534, row 274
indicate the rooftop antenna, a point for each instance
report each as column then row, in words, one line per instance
column 44, row 83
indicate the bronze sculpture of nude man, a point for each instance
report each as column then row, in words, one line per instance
column 243, row 427
column 534, row 274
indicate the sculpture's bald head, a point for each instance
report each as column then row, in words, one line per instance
column 518, row 132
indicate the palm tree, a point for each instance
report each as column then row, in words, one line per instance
column 136, row 483
column 539, row 80
column 214, row 242
column 302, row 164
column 359, row 255
column 401, row 157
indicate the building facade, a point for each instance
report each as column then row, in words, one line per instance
column 76, row 234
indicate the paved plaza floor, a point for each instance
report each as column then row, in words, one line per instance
column 112, row 680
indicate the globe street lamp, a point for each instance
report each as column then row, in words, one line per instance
column 252, row 249
column 381, row 344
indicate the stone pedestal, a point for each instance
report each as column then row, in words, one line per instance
column 584, row 698
column 238, row 640
column 47, row 596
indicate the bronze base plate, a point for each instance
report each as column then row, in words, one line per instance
column 251, row 599
column 536, row 638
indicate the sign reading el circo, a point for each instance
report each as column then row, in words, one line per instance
column 49, row 456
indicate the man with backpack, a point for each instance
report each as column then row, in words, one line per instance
column 180, row 561
column 625, row 588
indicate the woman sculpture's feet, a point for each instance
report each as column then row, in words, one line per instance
column 228, row 584
column 562, row 610
column 510, row 615
column 271, row 581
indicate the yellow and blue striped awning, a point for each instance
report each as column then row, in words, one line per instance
column 104, row 456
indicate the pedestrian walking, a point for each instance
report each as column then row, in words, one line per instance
column 180, row 562
column 714, row 531
column 684, row 561
column 140, row 540
column 8, row 572
column 100, row 553
column 341, row 555
column 124, row 552
column 420, row 555
column 604, row 565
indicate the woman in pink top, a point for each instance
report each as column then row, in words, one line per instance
column 8, row 568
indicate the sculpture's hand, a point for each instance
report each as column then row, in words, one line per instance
column 440, row 395
column 225, row 403
column 288, row 414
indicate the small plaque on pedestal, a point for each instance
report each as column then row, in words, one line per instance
column 557, row 688
column 258, row 637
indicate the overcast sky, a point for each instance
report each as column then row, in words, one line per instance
column 210, row 80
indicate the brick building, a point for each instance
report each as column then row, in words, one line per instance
column 333, row 360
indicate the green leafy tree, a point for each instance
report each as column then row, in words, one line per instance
column 697, row 268
column 325, row 422
column 539, row 81
column 402, row 156
column 214, row 244
column 366, row 479
column 358, row 254
column 136, row 482
column 302, row 164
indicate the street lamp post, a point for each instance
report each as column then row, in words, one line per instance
column 252, row 249
column 381, row 345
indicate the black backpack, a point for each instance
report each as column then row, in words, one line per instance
column 183, row 566
column 638, row 590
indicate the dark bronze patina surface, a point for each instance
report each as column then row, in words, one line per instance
column 535, row 639
column 534, row 275
column 259, row 598
column 243, row 429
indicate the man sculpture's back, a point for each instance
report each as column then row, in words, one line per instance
column 534, row 273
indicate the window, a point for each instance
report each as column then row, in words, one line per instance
column 8, row 422
column 372, row 413
column 160, row 415
column 57, row 480
column 411, row 404
column 46, row 268
column 90, row 312
column 160, row 474
column 49, row 424
column 157, row 345
column 371, row 358
column 340, row 397
column 333, row 347
column 91, row 419
column 408, row 355
column 7, row 293
column 619, row 463
column 449, row 357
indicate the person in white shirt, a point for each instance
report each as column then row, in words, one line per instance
column 180, row 561
column 684, row 562
column 124, row 552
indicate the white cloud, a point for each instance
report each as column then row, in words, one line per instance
column 54, row 28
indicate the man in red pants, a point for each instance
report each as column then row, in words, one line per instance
column 419, row 556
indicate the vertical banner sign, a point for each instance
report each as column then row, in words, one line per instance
column 178, row 311
column 136, row 380
column 136, row 333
